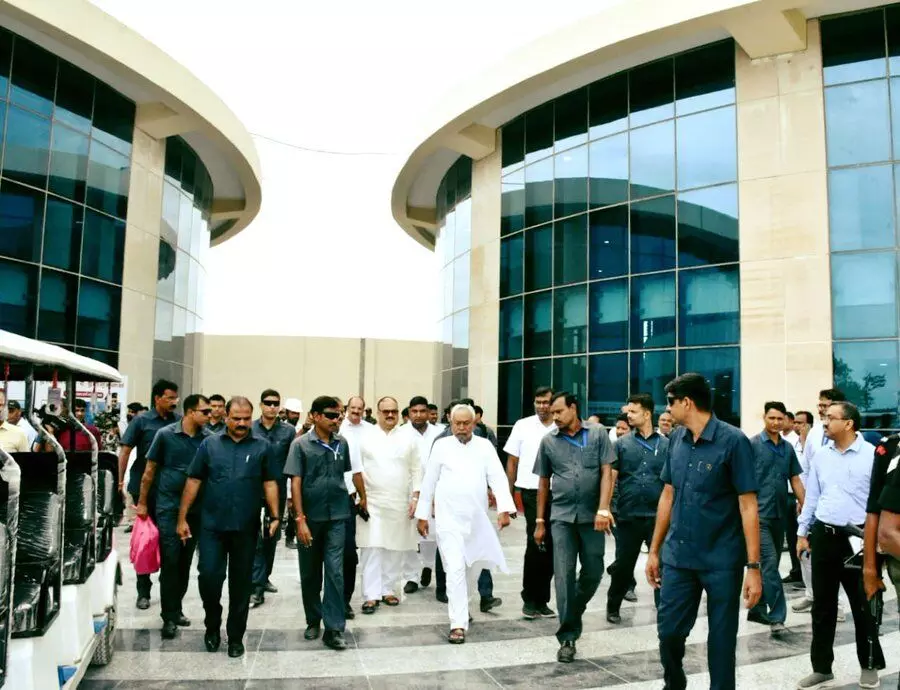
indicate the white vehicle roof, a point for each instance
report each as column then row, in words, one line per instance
column 16, row 349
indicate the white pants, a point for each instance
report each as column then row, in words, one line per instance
column 380, row 572
column 414, row 561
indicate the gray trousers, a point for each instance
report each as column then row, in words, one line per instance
column 325, row 554
column 572, row 543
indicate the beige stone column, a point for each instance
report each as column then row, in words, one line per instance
column 484, row 296
column 784, row 247
column 141, row 258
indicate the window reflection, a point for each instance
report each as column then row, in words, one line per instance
column 512, row 202
column 867, row 372
column 539, row 192
column 58, row 300
column 653, row 160
column 570, row 250
column 509, row 393
column 511, row 328
column 861, row 208
column 571, row 120
column 108, row 176
column 709, row 306
column 21, row 218
column 609, row 171
column 62, row 234
column 653, row 235
column 852, row 109
column 864, row 295
column 707, row 148
column 33, row 78
column 570, row 374
column 570, row 320
column 513, row 150
column 68, row 163
column 708, row 226
column 571, row 182
column 26, row 156
column 609, row 315
column 539, row 133
column 511, row 264
column 461, row 276
column 721, row 367
column 18, row 289
column 653, row 311
column 99, row 310
column 535, row 373
column 650, row 372
column 538, row 324
column 651, row 93
column 607, row 385
column 538, row 258
column 104, row 242
column 74, row 98
column 853, row 48
column 609, row 242
column 704, row 78
column 608, row 109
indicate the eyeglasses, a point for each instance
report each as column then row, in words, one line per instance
column 205, row 411
column 271, row 403
column 331, row 415
column 671, row 399
column 389, row 412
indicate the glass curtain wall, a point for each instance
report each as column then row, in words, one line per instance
column 619, row 250
column 66, row 160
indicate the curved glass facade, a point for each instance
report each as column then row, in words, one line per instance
column 861, row 70
column 619, row 250
column 66, row 159
column 183, row 245
column 453, row 250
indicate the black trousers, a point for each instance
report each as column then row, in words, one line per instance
column 350, row 557
column 790, row 532
column 829, row 549
column 323, row 559
column 175, row 562
column 234, row 551
column 144, row 584
column 630, row 534
column 538, row 570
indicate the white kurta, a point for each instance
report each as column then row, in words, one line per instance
column 391, row 470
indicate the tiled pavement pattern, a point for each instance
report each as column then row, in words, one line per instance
column 405, row 647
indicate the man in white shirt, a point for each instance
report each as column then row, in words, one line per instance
column 521, row 452
column 817, row 437
column 12, row 438
column 352, row 428
column 392, row 472
column 16, row 418
column 459, row 468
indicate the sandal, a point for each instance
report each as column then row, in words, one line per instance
column 391, row 600
column 457, row 636
column 369, row 606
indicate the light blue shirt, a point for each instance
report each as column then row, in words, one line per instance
column 837, row 487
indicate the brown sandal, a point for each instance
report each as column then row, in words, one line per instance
column 391, row 600
column 456, row 636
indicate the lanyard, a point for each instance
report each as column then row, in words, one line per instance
column 644, row 444
column 334, row 450
column 579, row 440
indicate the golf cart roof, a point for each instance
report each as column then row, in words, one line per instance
column 21, row 353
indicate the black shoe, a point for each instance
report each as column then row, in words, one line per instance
column 235, row 649
column 143, row 603
column 312, row 632
column 335, row 640
column 270, row 588
column 613, row 617
column 349, row 613
column 425, row 580
column 258, row 598
column 183, row 621
column 168, row 630
column 566, row 653
column 792, row 578
column 441, row 597
column 291, row 544
column 546, row 612
column 630, row 596
column 754, row 617
column 411, row 587
column 488, row 603
column 212, row 639
column 529, row 611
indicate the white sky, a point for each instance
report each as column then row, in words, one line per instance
column 352, row 75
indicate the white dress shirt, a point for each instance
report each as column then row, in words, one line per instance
column 353, row 433
column 30, row 433
column 815, row 440
column 523, row 443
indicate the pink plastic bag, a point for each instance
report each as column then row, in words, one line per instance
column 145, row 547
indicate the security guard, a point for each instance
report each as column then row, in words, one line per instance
column 279, row 434
column 139, row 434
column 707, row 516
column 234, row 466
column 171, row 453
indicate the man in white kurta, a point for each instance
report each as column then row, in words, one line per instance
column 459, row 472
column 392, row 472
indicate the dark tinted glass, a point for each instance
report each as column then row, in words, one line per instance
column 861, row 207
column 58, row 303
column 509, row 392
column 539, row 132
column 538, row 324
column 653, row 311
column 113, row 119
column 608, row 105
column 512, row 202
column 18, row 291
column 653, row 160
column 651, row 93
column 513, row 153
column 864, row 295
column 650, row 372
column 511, row 328
column 68, row 163
column 570, row 319
column 74, row 97
column 704, row 78
column 539, row 192
column 103, row 247
column 111, row 359
column 709, row 306
column 538, row 258
column 26, row 156
column 608, row 242
column 853, row 47
column 653, row 235
column 570, row 374
column 6, row 46
column 867, row 373
column 892, row 14
column 99, row 311
column 852, row 109
column 108, row 176
column 708, row 226
column 165, row 287
column 607, row 385
column 21, row 221
column 571, row 120
column 570, row 250
column 62, row 234
column 33, row 77
column 511, row 264
column 721, row 366
column 609, row 170
column 175, row 151
column 536, row 373
column 571, row 181
column 609, row 315
column 707, row 148
column 461, row 338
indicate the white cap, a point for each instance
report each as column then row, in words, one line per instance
column 293, row 405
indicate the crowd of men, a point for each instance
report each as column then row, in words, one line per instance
column 408, row 502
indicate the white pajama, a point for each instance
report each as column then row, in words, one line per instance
column 380, row 572
column 414, row 561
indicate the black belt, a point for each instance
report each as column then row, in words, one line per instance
column 836, row 530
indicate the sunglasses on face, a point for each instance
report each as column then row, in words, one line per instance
column 271, row 403
column 331, row 415
column 389, row 412
column 205, row 411
column 671, row 399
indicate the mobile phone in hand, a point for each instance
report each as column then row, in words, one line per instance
column 364, row 514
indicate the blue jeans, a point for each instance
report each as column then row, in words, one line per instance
column 679, row 599
column 573, row 543
column 772, row 604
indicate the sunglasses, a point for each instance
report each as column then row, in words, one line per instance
column 670, row 399
column 271, row 403
column 331, row 415
column 389, row 412
column 205, row 411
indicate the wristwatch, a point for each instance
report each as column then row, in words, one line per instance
column 603, row 513
column 753, row 566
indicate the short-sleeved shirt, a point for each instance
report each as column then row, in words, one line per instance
column 523, row 443
column 639, row 462
column 82, row 440
column 321, row 466
column 216, row 428
column 173, row 452
column 280, row 437
column 139, row 435
column 775, row 465
column 890, row 496
column 13, row 439
column 573, row 465
column 884, row 486
column 706, row 531
column 232, row 473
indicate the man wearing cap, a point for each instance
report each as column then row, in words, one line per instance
column 12, row 438
column 16, row 418
column 293, row 410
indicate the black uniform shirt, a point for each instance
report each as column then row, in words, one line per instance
column 775, row 465
column 639, row 462
column 884, row 489
column 139, row 434
column 173, row 451
column 232, row 473
column 216, row 428
column 280, row 437
column 321, row 466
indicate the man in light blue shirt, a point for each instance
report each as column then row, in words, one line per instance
column 837, row 490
